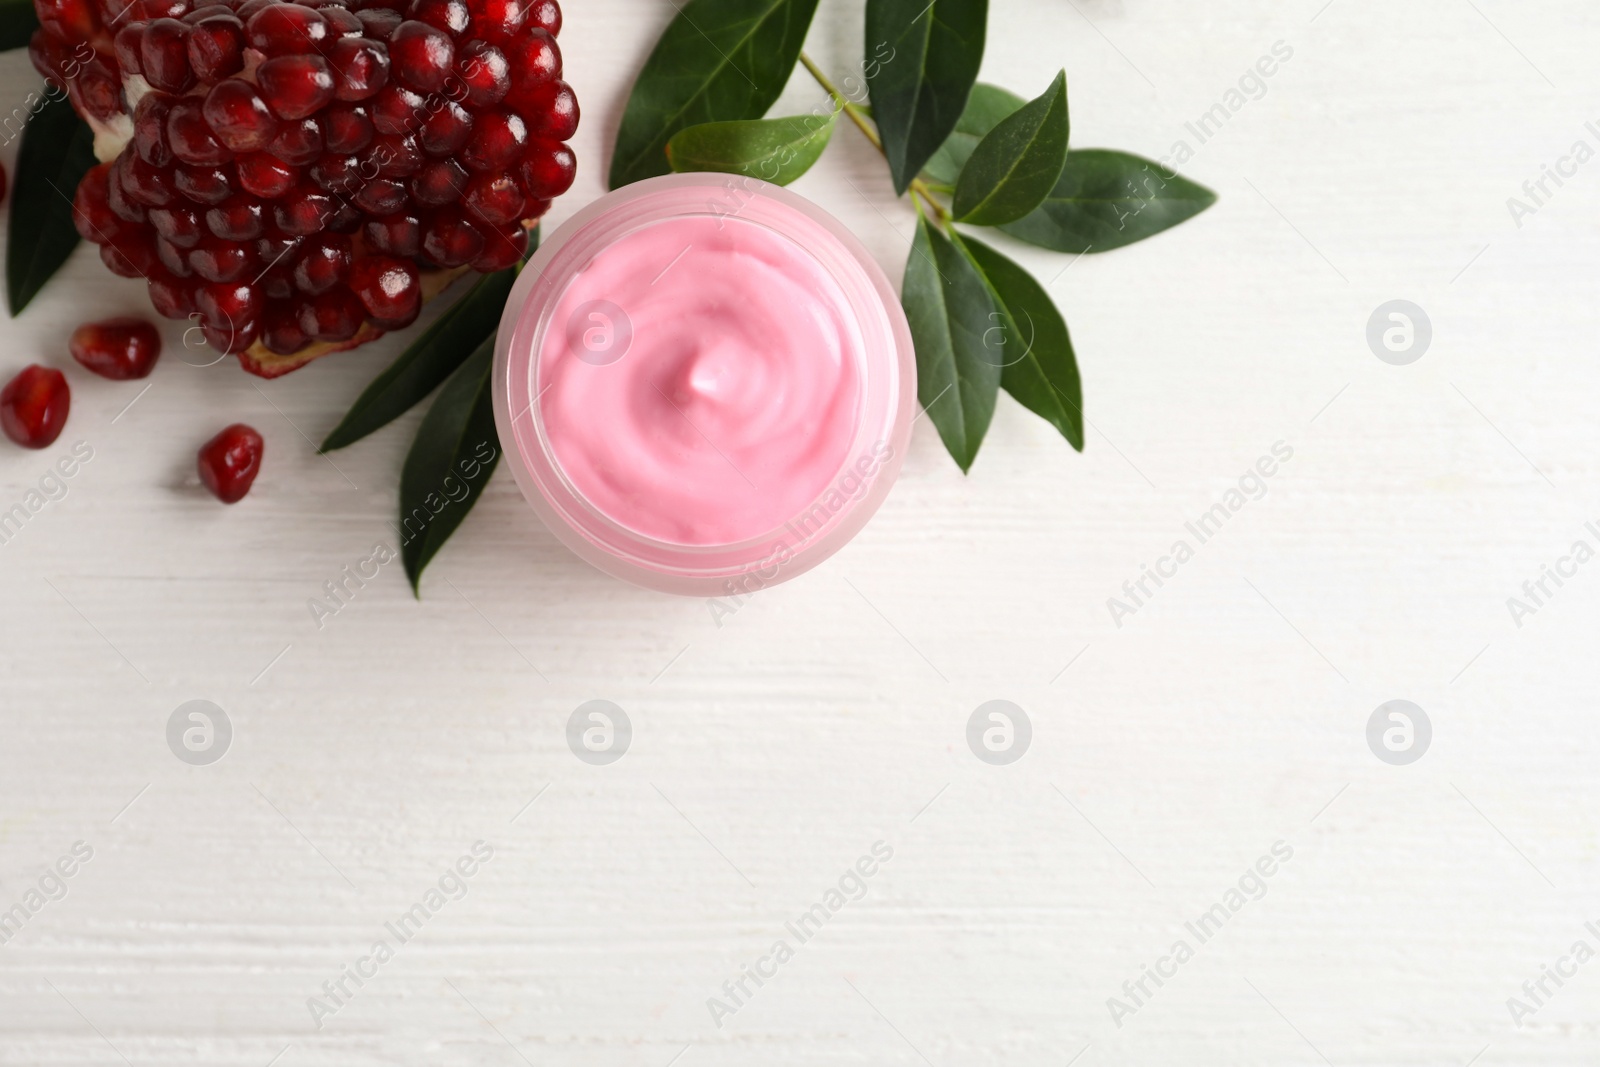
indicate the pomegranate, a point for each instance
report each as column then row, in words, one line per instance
column 299, row 177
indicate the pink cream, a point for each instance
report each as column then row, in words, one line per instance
column 709, row 382
column 703, row 384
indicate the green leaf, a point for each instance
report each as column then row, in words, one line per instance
column 717, row 60
column 987, row 105
column 1017, row 163
column 429, row 360
column 774, row 150
column 450, row 462
column 959, row 340
column 922, row 58
column 57, row 151
column 1040, row 369
column 17, row 23
column 1105, row 199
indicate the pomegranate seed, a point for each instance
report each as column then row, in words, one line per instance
column 262, row 175
column 446, row 130
column 33, row 406
column 335, row 174
column 287, row 29
column 494, row 198
column 68, row 20
column 239, row 117
column 119, row 349
column 335, row 315
column 230, row 461
column 553, row 110
column 298, row 143
column 397, row 109
column 174, row 258
column 150, row 129
column 216, row 47
column 204, row 185
column 485, row 72
column 118, row 263
column 296, row 86
column 97, row 89
column 534, row 60
column 389, row 289
column 231, row 339
column 280, row 328
column 379, row 23
column 393, row 157
column 439, row 182
column 498, row 138
column 499, row 20
column 179, row 225
column 303, row 212
column 422, row 56
column 324, row 263
column 348, row 129
column 361, row 67
column 217, row 260
column 380, row 197
column 546, row 15
column 501, row 250
column 342, row 22
column 450, row 240
column 226, row 305
column 173, row 297
column 91, row 206
column 190, row 136
column 396, row 235
column 145, row 184
column 117, row 194
column 164, row 55
column 548, row 168
column 237, row 218
column 128, row 46
column 449, row 16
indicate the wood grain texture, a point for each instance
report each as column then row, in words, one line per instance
column 827, row 714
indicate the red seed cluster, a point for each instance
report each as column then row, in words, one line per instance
column 295, row 167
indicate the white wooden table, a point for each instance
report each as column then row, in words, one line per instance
column 1168, row 755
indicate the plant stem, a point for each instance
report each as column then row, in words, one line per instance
column 855, row 114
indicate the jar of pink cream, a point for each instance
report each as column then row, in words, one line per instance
column 703, row 384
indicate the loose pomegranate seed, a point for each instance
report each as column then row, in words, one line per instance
column 216, row 47
column 498, row 138
column 323, row 263
column 204, row 185
column 494, row 198
column 446, row 130
column 548, row 168
column 389, row 288
column 150, row 129
column 451, row 16
column 179, row 225
column 173, row 297
column 361, row 67
column 264, row 176
column 230, row 461
column 439, row 182
column 552, row 109
column 190, row 135
column 396, row 235
column 164, row 55
column 287, row 29
column 450, row 240
column 296, row 86
column 119, row 349
column 485, row 72
column 237, row 218
column 348, row 129
column 298, row 143
column 33, row 406
column 239, row 117
column 280, row 328
column 217, row 260
column 332, row 316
